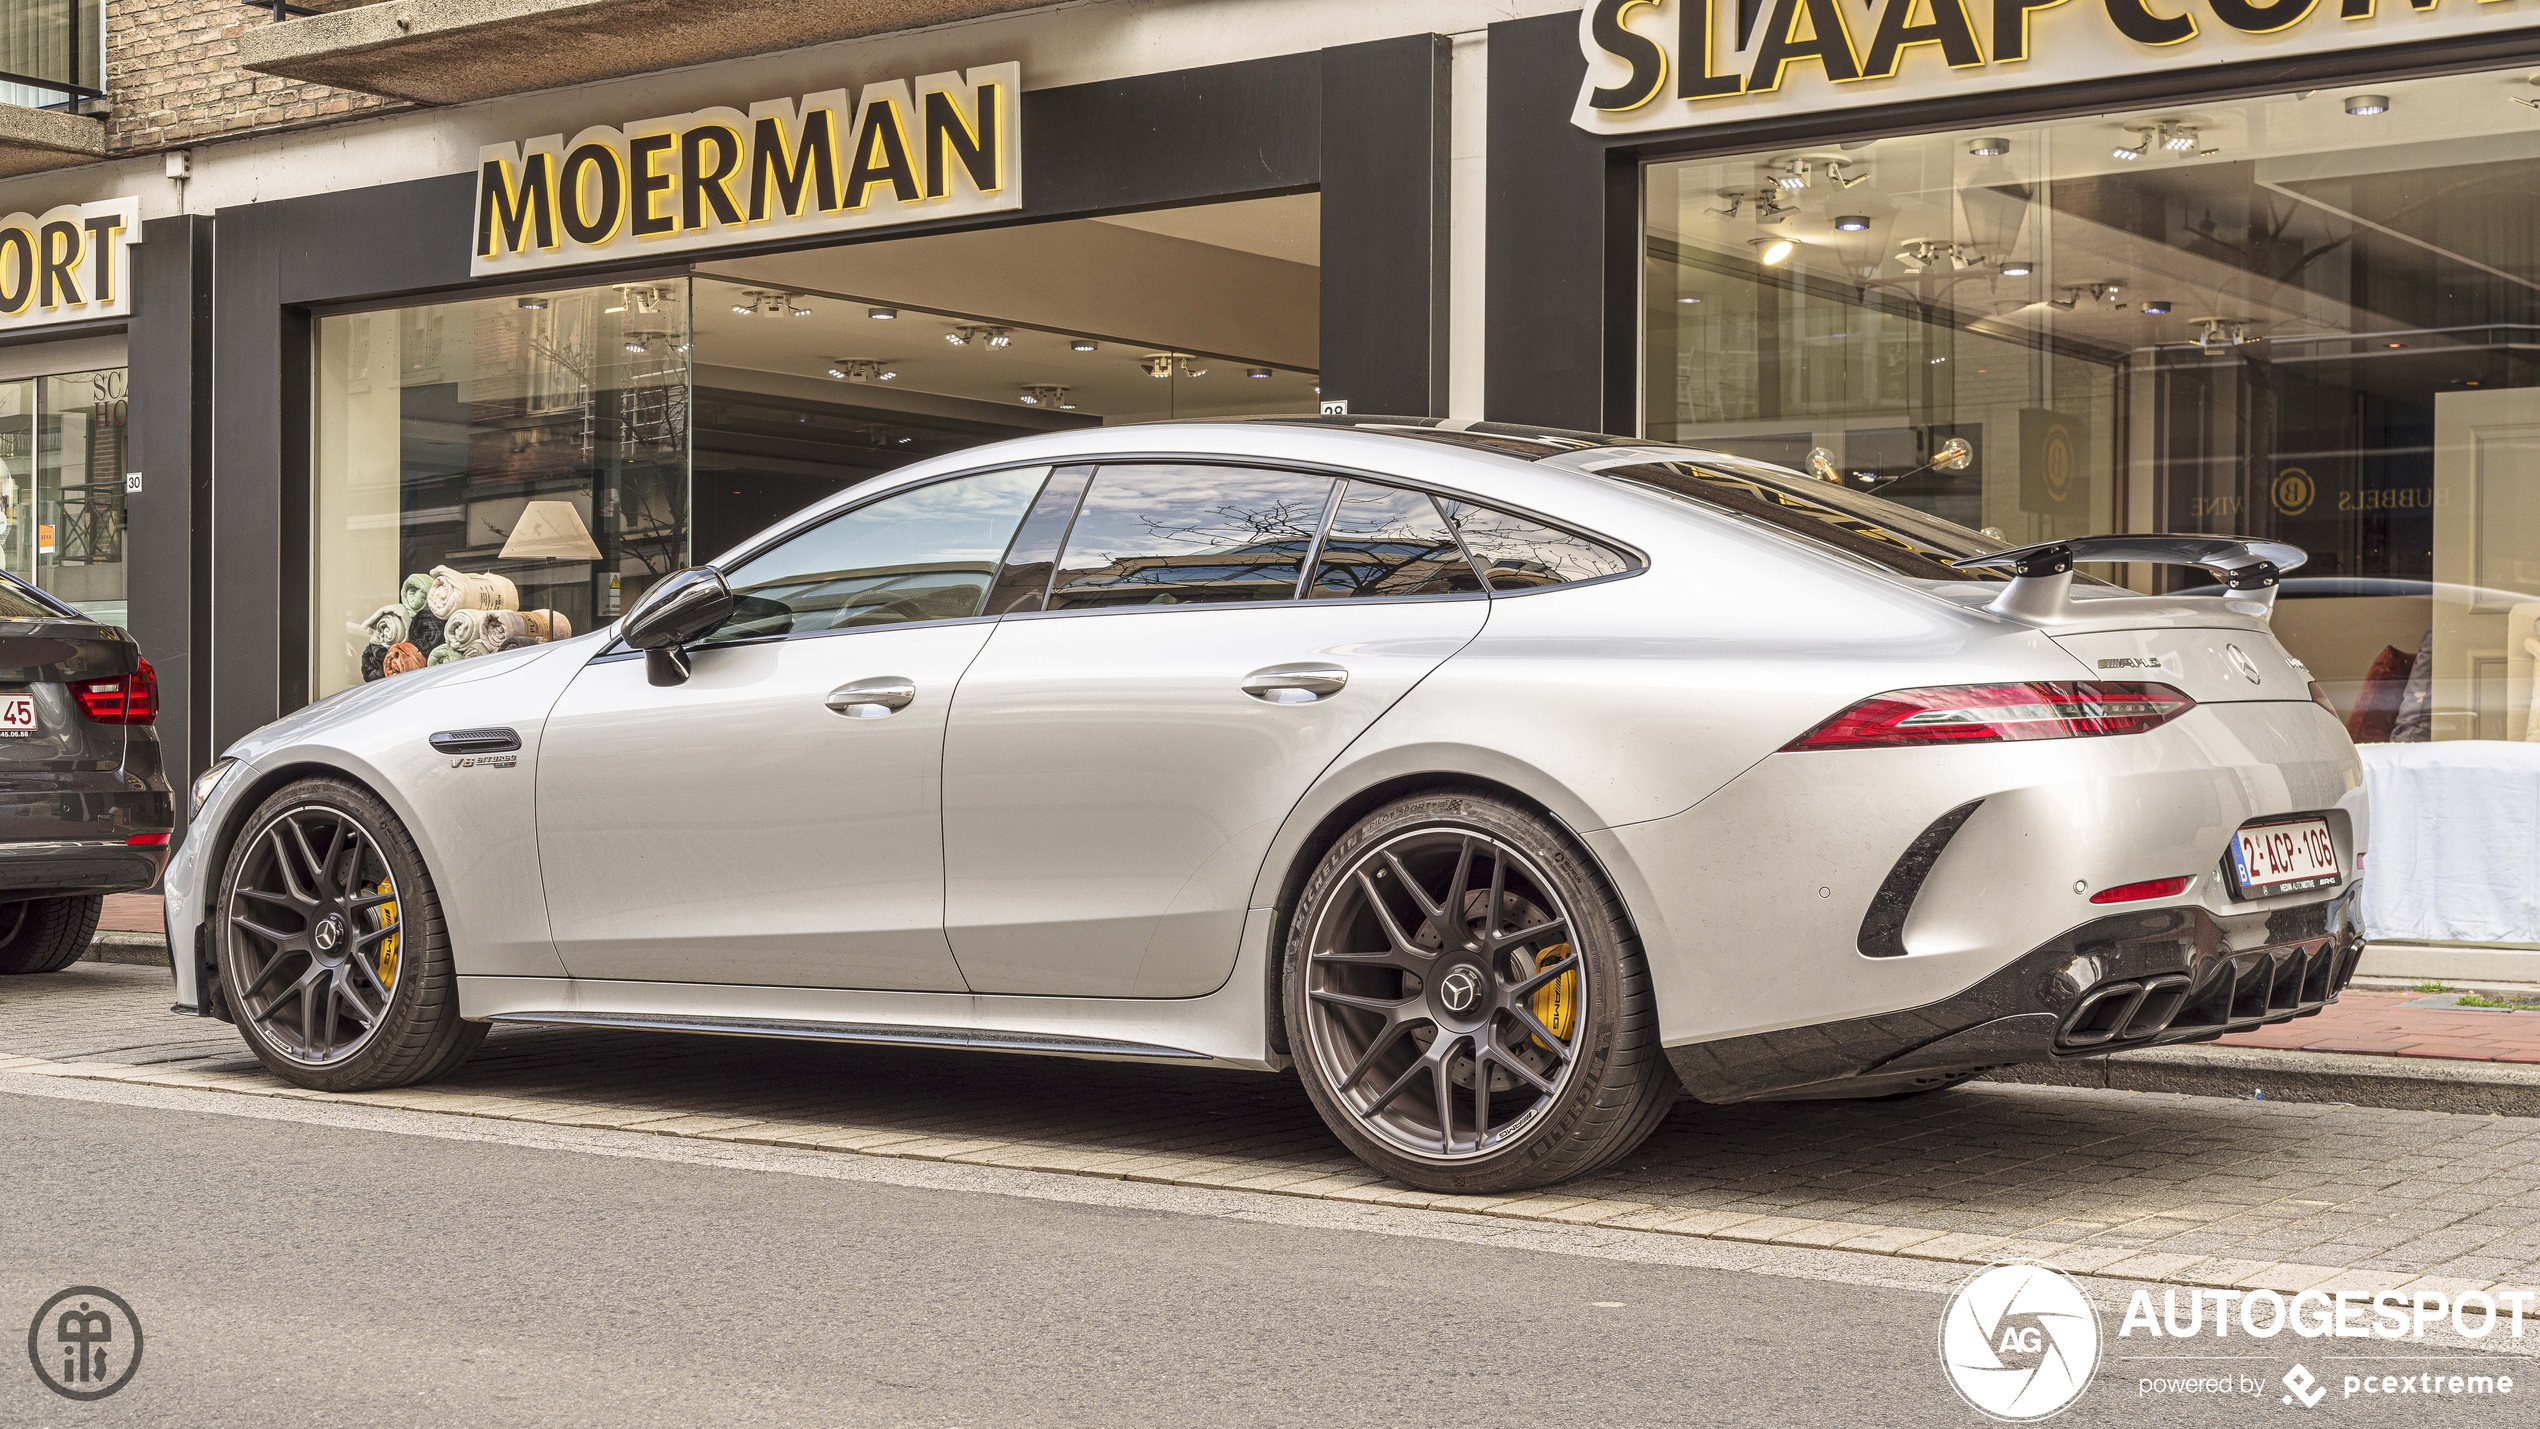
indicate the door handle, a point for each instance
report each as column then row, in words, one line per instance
column 874, row 698
column 1295, row 684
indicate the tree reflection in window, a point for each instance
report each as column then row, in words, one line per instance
column 1385, row 541
column 1181, row 534
column 1518, row 554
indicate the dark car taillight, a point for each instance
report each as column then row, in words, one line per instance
column 125, row 699
column 1993, row 714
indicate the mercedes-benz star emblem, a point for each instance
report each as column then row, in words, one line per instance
column 2247, row 667
column 1460, row 989
column 329, row 930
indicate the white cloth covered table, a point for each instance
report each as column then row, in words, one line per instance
column 2454, row 841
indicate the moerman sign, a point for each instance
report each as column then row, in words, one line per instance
column 1674, row 64
column 903, row 150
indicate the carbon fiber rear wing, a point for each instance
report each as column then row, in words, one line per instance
column 2042, row 574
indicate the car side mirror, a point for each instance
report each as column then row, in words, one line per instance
column 678, row 609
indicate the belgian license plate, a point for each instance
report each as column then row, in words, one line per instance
column 17, row 715
column 2289, row 857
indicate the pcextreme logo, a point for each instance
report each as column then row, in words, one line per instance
column 2020, row 1342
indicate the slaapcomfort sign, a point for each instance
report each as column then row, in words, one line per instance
column 1673, row 64
column 900, row 151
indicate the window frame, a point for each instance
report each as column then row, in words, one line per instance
column 1638, row 558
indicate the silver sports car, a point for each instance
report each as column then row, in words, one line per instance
column 1505, row 783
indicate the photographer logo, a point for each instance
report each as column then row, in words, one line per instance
column 2019, row 1342
column 85, row 1343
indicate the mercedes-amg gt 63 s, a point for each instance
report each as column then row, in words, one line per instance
column 1505, row 783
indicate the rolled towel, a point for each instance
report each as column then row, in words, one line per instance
column 416, row 590
column 444, row 655
column 427, row 630
column 548, row 624
column 387, row 624
column 465, row 631
column 374, row 662
column 401, row 657
column 470, row 590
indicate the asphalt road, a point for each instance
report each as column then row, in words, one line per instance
column 295, row 1273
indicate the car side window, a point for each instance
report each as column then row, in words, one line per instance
column 1385, row 541
column 1178, row 533
column 927, row 553
column 1516, row 553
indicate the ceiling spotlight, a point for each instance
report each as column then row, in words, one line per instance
column 745, row 309
column 2178, row 141
column 1083, row 344
column 1157, row 364
column 1992, row 148
column 882, row 314
column 2367, row 104
column 1852, row 223
column 2394, row 344
column 798, row 310
column 1835, row 174
column 1044, row 395
column 2017, row 268
column 1790, row 183
column 1688, row 301
column 1770, row 251
column 2130, row 155
column 1256, row 372
column 984, row 336
column 1000, row 337
column 887, row 375
column 534, row 305
column 1191, row 368
column 859, row 369
column 635, row 346
column 838, row 372
column 2156, row 308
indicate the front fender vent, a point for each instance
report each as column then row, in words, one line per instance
column 1883, row 927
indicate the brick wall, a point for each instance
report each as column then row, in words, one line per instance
column 173, row 77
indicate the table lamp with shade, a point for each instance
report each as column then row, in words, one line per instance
column 550, row 531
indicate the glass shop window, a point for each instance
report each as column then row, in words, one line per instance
column 62, row 465
column 2272, row 317
column 493, row 473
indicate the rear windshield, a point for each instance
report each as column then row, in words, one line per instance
column 1893, row 537
column 19, row 603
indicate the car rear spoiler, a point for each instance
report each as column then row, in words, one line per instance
column 2042, row 574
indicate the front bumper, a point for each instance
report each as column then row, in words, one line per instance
column 2144, row 979
column 67, row 868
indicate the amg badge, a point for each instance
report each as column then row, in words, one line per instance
column 485, row 761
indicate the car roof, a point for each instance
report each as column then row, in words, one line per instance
column 1517, row 439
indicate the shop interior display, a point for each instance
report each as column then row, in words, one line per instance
column 445, row 615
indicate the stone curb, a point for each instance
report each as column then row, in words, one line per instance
column 138, row 949
column 1329, row 1179
column 2265, row 1073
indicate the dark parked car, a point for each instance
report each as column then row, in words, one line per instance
column 85, row 808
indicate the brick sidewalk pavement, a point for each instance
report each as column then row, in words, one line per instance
column 2149, row 1186
column 2402, row 1024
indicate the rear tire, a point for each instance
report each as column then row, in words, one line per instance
column 324, row 906
column 1467, row 1005
column 46, row 935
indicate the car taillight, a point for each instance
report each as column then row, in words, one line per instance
column 1992, row 714
column 147, row 841
column 125, row 699
column 2148, row 889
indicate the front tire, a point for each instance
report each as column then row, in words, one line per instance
column 46, row 935
column 332, row 947
column 1470, row 1010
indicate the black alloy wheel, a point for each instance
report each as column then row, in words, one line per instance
column 331, row 945
column 1467, row 1009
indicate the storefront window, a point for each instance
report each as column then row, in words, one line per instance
column 2287, row 317
column 62, row 487
column 493, row 472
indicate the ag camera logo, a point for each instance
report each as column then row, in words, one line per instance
column 2020, row 1342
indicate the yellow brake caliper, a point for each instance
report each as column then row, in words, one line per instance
column 387, row 913
column 1556, row 1003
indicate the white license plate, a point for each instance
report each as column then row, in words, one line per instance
column 17, row 715
column 2290, row 857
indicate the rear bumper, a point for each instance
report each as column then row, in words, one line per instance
column 60, row 868
column 2143, row 979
